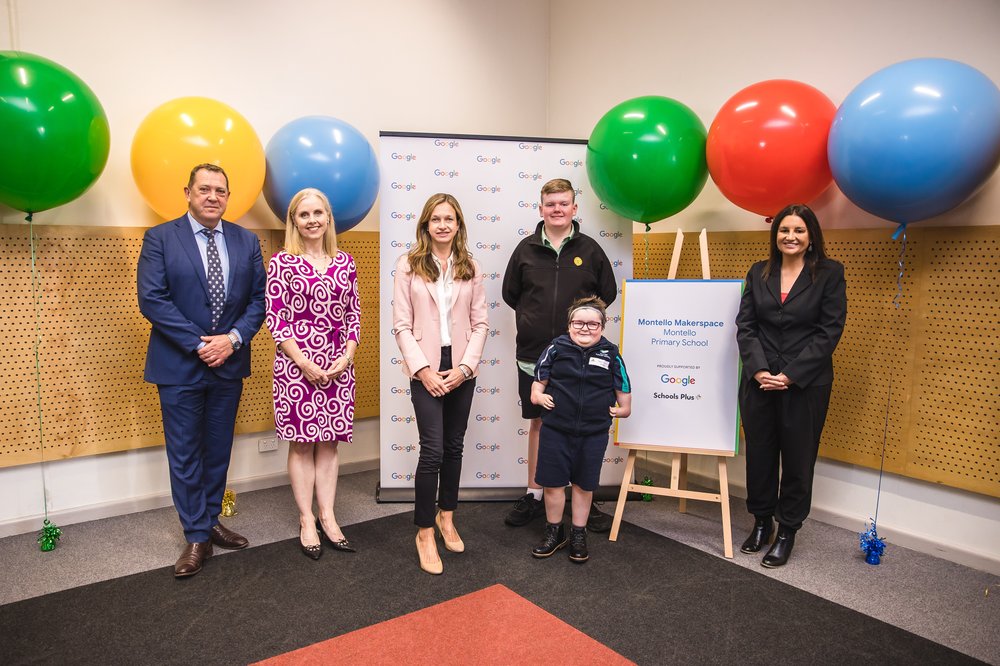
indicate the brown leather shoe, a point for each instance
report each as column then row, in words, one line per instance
column 226, row 538
column 192, row 558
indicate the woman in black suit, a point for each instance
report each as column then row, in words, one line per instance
column 791, row 317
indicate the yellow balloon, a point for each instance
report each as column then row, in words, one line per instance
column 185, row 132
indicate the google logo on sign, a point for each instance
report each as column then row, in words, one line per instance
column 683, row 381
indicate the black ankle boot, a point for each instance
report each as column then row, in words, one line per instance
column 759, row 536
column 578, row 544
column 553, row 539
column 782, row 548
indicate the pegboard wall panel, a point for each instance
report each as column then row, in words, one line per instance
column 938, row 350
column 363, row 246
column 92, row 344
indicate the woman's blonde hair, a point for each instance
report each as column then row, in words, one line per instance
column 293, row 240
column 420, row 257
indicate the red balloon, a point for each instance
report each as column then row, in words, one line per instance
column 767, row 145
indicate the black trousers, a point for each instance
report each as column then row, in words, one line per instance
column 441, row 425
column 782, row 427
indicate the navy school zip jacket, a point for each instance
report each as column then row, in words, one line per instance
column 582, row 383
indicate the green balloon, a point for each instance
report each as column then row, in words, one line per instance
column 55, row 133
column 646, row 158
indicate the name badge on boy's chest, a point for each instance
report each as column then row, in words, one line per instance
column 599, row 362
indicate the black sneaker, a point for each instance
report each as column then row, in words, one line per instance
column 553, row 539
column 525, row 510
column 598, row 522
column 578, row 545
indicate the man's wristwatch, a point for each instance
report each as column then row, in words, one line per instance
column 234, row 341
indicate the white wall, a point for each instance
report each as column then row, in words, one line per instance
column 519, row 67
column 703, row 53
column 431, row 66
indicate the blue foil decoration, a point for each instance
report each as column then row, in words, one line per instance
column 872, row 545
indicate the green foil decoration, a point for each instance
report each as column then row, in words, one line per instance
column 48, row 536
column 647, row 481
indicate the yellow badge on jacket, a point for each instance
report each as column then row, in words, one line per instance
column 578, row 261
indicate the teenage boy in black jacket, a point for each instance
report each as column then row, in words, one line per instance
column 547, row 271
column 581, row 382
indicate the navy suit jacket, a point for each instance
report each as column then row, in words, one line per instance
column 173, row 296
column 796, row 337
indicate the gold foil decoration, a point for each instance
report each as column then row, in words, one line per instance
column 228, row 504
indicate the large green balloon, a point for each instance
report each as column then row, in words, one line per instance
column 646, row 158
column 54, row 135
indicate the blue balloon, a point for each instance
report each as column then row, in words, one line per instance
column 916, row 139
column 328, row 154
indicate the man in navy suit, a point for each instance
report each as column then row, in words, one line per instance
column 201, row 286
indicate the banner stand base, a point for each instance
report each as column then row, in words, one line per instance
column 390, row 495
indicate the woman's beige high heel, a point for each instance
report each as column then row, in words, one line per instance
column 452, row 541
column 426, row 563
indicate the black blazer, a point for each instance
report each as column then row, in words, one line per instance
column 796, row 337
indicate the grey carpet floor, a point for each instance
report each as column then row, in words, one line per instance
column 939, row 600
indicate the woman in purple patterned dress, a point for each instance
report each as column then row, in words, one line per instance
column 314, row 315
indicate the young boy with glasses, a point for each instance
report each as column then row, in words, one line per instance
column 581, row 384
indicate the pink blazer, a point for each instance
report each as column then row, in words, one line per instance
column 416, row 320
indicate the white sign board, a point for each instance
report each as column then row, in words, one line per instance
column 679, row 345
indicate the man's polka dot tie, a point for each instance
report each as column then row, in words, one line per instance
column 216, row 286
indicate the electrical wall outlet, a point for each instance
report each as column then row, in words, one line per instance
column 267, row 444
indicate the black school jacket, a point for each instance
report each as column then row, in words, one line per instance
column 540, row 286
column 796, row 337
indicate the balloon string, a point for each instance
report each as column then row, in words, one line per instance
column 898, row 298
column 646, row 244
column 12, row 24
column 36, row 294
column 881, row 466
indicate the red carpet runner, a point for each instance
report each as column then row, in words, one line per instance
column 491, row 626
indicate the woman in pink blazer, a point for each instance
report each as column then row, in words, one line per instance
column 439, row 320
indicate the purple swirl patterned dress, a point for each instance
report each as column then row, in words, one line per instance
column 321, row 312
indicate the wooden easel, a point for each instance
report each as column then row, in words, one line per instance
column 678, row 466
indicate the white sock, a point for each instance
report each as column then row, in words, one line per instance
column 536, row 493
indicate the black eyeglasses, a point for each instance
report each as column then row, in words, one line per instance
column 578, row 325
